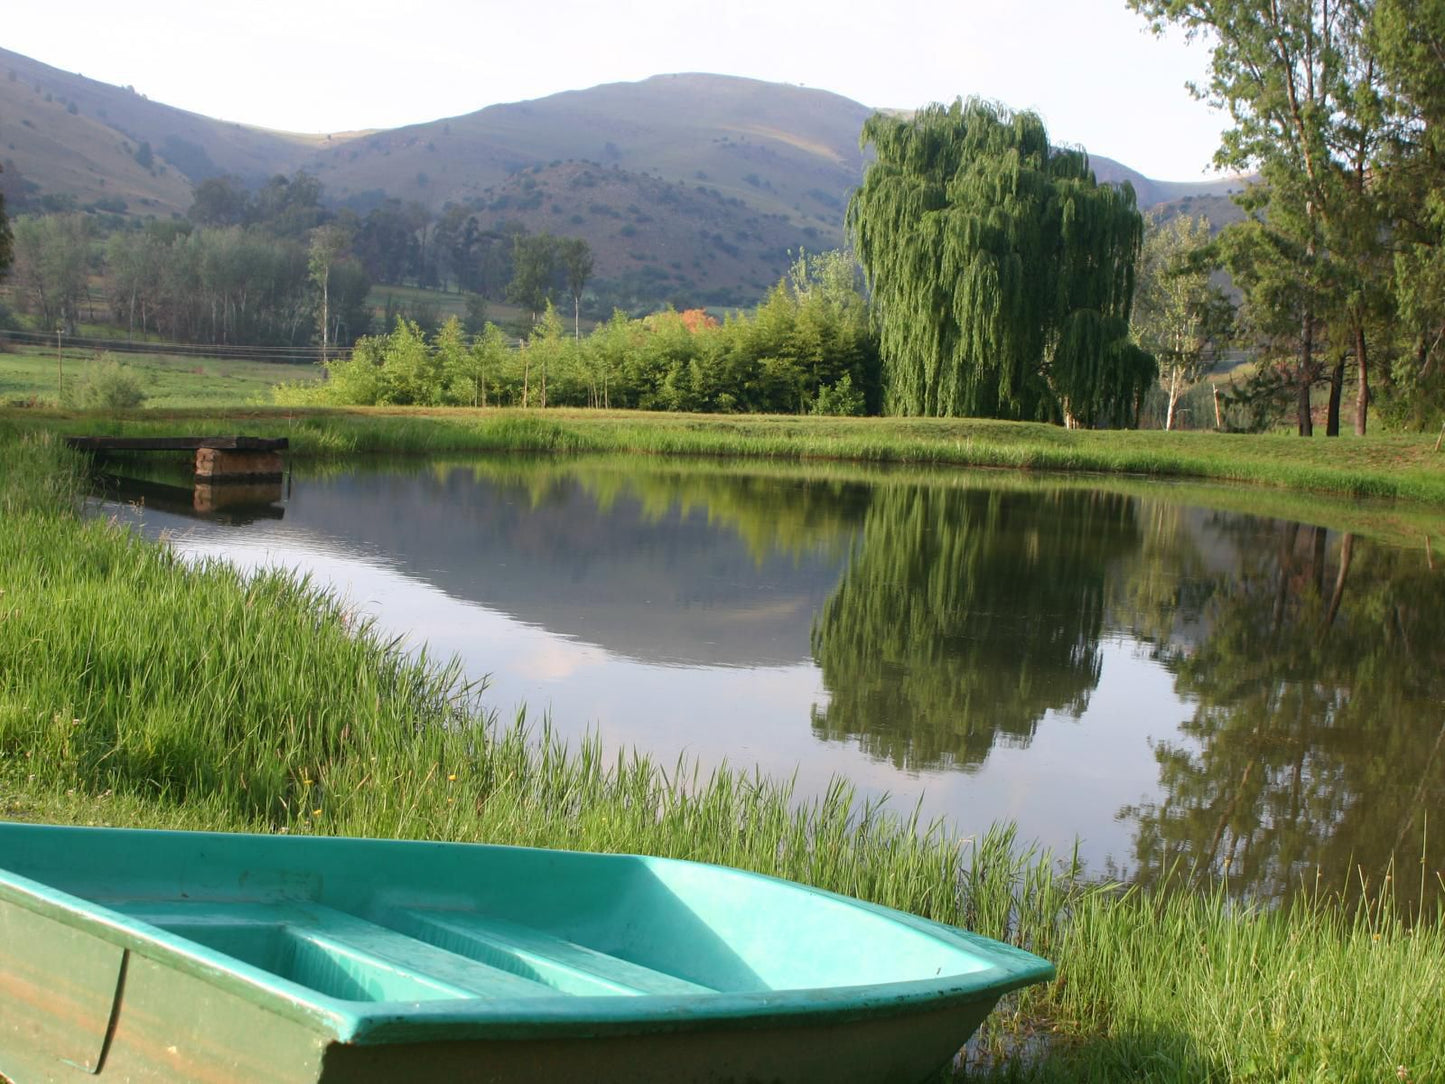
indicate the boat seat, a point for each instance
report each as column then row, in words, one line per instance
column 564, row 965
column 335, row 952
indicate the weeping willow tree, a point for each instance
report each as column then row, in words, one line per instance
column 1002, row 272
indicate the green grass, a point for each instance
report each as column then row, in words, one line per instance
column 1408, row 524
column 1177, row 987
column 29, row 374
column 136, row 688
column 1383, row 466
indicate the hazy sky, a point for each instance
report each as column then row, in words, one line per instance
column 1090, row 67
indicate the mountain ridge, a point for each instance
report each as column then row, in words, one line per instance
column 714, row 180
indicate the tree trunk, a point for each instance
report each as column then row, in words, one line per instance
column 526, row 373
column 325, row 312
column 1362, row 401
column 1337, row 391
column 1173, row 399
column 1286, row 573
column 1347, row 548
column 1306, row 376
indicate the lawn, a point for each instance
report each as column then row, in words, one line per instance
column 31, row 375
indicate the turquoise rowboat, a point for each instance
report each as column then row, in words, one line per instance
column 142, row 955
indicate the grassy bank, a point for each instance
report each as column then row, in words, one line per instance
column 1388, row 466
column 121, row 703
column 34, row 374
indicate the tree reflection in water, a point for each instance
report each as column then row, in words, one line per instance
column 966, row 614
column 1317, row 744
column 1314, row 663
column 1308, row 665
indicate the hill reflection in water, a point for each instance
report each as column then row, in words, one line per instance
column 1167, row 682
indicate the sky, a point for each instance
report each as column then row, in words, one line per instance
column 1091, row 68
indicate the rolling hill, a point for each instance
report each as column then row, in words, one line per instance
column 66, row 135
column 689, row 187
column 781, row 149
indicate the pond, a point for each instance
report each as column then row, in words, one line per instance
column 1137, row 669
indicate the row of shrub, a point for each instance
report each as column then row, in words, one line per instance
column 808, row 347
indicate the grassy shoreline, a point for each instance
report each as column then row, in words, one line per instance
column 1392, row 466
column 112, row 679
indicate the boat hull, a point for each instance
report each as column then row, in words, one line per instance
column 185, row 956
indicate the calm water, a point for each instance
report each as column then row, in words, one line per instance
column 1158, row 680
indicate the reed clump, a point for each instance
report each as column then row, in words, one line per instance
column 1382, row 466
column 139, row 688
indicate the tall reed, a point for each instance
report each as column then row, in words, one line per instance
column 138, row 688
column 1389, row 466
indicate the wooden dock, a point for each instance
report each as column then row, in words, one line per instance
column 218, row 459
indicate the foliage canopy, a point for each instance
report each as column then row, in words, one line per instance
column 1002, row 271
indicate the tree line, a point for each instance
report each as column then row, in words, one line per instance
column 270, row 267
column 399, row 243
column 1005, row 276
column 808, row 346
column 1339, row 107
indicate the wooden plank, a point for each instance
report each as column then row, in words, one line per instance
column 177, row 444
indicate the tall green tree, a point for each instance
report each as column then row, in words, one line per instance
column 327, row 245
column 1180, row 316
column 52, row 263
column 534, row 267
column 1301, row 88
column 576, row 256
column 1002, row 272
column 1409, row 38
column 219, row 201
column 485, row 361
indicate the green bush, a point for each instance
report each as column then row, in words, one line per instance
column 107, row 385
column 841, row 398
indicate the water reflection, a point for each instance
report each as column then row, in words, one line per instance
column 1174, row 684
column 964, row 616
column 1317, row 744
column 633, row 564
column 235, row 504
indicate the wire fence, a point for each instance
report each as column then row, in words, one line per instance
column 283, row 355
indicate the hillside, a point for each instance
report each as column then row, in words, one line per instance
column 68, row 135
column 691, row 188
column 1151, row 193
column 780, row 149
column 652, row 238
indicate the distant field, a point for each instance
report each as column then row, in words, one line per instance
column 449, row 304
column 29, row 374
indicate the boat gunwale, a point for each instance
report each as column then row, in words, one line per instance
column 1005, row 968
